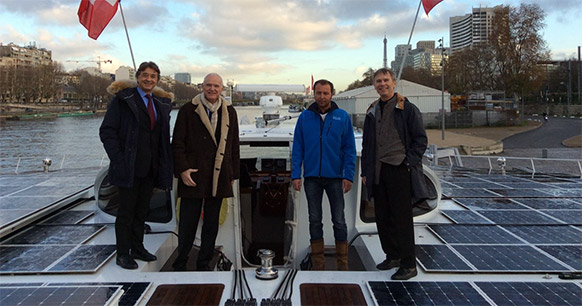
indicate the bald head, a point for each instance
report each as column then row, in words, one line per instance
column 212, row 87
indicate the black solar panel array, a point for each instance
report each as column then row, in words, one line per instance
column 508, row 224
column 476, row 293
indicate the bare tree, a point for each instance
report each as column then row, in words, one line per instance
column 471, row 69
column 519, row 47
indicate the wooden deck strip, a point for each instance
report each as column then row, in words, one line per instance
column 331, row 294
column 187, row 294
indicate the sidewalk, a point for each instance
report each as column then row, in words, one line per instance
column 479, row 137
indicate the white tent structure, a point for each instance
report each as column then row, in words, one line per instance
column 427, row 99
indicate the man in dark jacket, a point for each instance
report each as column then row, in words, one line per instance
column 324, row 144
column 393, row 144
column 136, row 136
column 206, row 160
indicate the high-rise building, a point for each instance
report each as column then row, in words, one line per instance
column 183, row 77
column 400, row 51
column 471, row 29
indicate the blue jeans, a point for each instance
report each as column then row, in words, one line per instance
column 314, row 188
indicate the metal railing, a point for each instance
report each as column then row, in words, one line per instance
column 15, row 165
column 533, row 165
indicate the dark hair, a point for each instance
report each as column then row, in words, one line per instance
column 324, row 82
column 145, row 65
column 385, row 71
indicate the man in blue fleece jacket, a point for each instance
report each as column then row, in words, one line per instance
column 324, row 144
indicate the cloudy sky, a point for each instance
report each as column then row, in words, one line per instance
column 257, row 41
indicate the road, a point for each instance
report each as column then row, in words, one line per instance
column 549, row 135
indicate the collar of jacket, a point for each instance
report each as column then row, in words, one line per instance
column 315, row 108
column 117, row 86
column 399, row 104
column 224, row 126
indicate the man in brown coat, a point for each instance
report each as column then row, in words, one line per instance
column 205, row 146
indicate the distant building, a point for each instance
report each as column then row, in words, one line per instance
column 471, row 29
column 255, row 91
column 28, row 56
column 125, row 73
column 399, row 52
column 183, row 77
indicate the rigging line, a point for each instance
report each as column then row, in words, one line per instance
column 276, row 293
column 292, row 281
column 240, row 287
column 232, row 296
column 247, row 284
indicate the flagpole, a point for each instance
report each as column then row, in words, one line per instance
column 129, row 42
column 409, row 38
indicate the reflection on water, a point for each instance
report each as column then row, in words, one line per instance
column 74, row 141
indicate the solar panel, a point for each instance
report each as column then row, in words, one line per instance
column 550, row 203
column 521, row 193
column 567, row 216
column 464, row 217
column 55, row 234
column 31, row 203
column 41, row 191
column 70, row 217
column 567, row 193
column 425, row 293
column 547, row 234
column 468, row 193
column 532, row 293
column 524, row 184
column 510, row 258
column 473, row 234
column 82, row 295
column 528, row 217
column 568, row 254
column 476, row 203
column 85, row 258
column 133, row 293
column 30, row 258
column 478, row 185
column 437, row 257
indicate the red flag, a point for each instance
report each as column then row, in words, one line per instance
column 429, row 4
column 94, row 15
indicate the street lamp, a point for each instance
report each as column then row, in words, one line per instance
column 230, row 84
column 442, row 46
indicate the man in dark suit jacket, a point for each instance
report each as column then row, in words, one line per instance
column 136, row 136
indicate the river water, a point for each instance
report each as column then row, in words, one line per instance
column 72, row 142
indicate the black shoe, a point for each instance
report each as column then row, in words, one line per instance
column 143, row 255
column 125, row 261
column 388, row 264
column 404, row 273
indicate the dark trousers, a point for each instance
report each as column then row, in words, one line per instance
column 190, row 209
column 131, row 214
column 393, row 209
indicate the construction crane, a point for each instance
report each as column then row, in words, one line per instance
column 98, row 61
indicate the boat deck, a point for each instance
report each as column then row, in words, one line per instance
column 498, row 239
